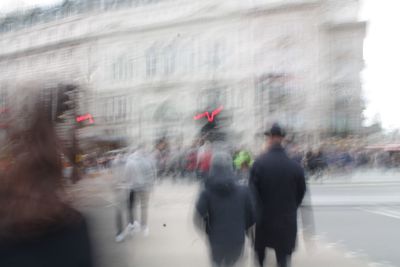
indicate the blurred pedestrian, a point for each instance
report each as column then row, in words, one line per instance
column 279, row 186
column 204, row 160
column 321, row 164
column 224, row 211
column 191, row 161
column 311, row 164
column 161, row 154
column 174, row 162
column 297, row 155
column 38, row 226
column 140, row 169
column 123, row 193
column 243, row 162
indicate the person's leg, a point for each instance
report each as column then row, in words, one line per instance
column 282, row 258
column 118, row 220
column 144, row 205
column 261, row 254
column 120, row 235
column 120, row 209
column 131, row 203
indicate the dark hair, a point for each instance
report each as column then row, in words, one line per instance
column 31, row 190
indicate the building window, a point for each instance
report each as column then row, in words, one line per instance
column 121, row 107
column 104, row 109
column 130, row 68
column 272, row 97
column 118, row 69
column 123, row 68
column 109, row 107
column 151, row 63
column 189, row 56
column 169, row 60
column 272, row 92
column 215, row 55
column 114, row 108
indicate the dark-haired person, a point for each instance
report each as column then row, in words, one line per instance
column 37, row 225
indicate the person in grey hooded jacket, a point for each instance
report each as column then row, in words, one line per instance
column 141, row 172
column 224, row 211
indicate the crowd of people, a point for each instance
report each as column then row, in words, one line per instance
column 194, row 162
column 335, row 160
column 240, row 194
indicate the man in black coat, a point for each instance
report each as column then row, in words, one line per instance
column 279, row 186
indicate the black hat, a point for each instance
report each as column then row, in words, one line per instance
column 275, row 130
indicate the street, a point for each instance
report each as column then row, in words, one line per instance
column 362, row 219
column 350, row 230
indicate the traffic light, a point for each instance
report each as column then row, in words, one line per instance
column 65, row 102
column 86, row 117
column 83, row 121
column 215, row 124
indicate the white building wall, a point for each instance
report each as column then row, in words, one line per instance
column 196, row 45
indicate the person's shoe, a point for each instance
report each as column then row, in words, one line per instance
column 136, row 227
column 130, row 227
column 119, row 238
column 133, row 227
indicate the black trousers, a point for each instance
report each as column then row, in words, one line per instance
column 131, row 204
column 283, row 259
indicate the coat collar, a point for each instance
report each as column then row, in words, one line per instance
column 276, row 148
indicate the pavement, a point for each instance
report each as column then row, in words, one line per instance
column 173, row 240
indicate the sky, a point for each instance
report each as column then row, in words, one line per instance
column 9, row 5
column 381, row 83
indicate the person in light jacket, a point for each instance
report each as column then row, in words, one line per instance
column 141, row 171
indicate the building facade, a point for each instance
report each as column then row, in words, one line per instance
column 150, row 66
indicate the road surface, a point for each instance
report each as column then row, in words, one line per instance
column 364, row 219
column 354, row 232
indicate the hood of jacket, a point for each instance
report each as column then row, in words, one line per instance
column 221, row 177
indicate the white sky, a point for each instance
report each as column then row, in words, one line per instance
column 9, row 5
column 381, row 82
column 382, row 57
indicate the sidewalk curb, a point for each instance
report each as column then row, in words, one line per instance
column 368, row 204
column 369, row 183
